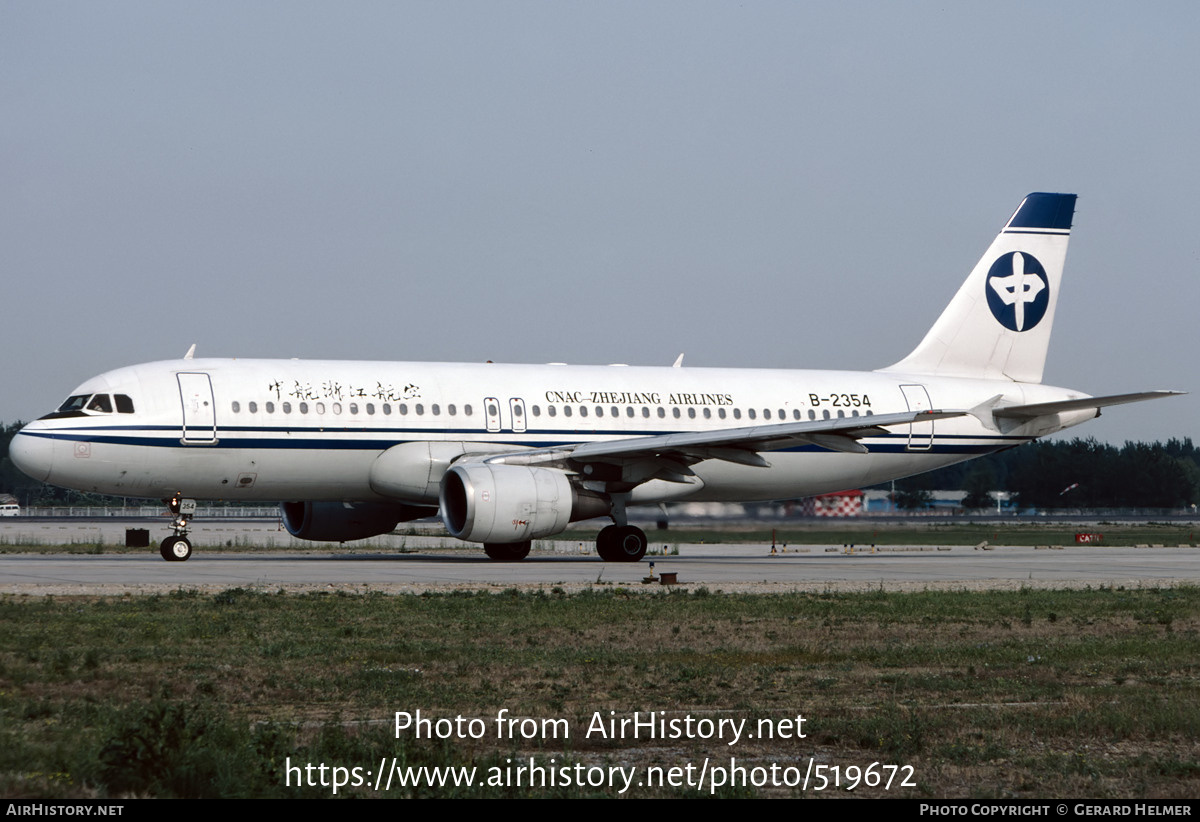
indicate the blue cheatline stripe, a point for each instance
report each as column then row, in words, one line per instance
column 946, row 444
column 506, row 436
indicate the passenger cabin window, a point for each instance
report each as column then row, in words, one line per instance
column 235, row 406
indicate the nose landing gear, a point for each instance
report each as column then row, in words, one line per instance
column 177, row 548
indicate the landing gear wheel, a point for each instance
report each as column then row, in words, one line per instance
column 507, row 551
column 621, row 543
column 175, row 549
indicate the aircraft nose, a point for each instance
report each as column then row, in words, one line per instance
column 32, row 454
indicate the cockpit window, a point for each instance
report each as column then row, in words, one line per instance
column 101, row 403
column 124, row 403
column 75, row 403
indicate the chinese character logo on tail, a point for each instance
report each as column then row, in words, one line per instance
column 1018, row 291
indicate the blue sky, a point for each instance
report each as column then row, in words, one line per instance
column 760, row 184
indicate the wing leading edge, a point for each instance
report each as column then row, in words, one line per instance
column 737, row 445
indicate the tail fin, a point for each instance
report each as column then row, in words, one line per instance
column 998, row 324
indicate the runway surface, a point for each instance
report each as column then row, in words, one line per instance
column 719, row 567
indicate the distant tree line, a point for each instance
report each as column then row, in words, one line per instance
column 1078, row 473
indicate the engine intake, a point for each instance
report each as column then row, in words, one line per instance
column 513, row 503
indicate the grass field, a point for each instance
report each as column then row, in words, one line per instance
column 1037, row 693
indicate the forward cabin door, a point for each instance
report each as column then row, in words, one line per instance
column 199, row 409
column 491, row 411
column 516, row 410
column 920, row 434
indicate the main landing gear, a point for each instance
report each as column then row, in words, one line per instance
column 621, row 543
column 507, row 551
column 177, row 548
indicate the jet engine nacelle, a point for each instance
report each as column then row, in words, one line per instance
column 412, row 471
column 346, row 521
column 513, row 503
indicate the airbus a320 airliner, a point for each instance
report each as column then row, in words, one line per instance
column 509, row 453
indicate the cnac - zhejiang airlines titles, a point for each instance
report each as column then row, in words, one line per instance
column 505, row 454
column 628, row 398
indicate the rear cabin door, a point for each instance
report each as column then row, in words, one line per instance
column 920, row 434
column 199, row 411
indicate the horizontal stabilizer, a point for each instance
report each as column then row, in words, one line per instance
column 1040, row 409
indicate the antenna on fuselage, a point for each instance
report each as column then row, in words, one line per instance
column 678, row 361
column 190, row 352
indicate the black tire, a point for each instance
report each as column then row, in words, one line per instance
column 606, row 543
column 621, row 543
column 507, row 551
column 175, row 549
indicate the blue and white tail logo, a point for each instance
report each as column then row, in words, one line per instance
column 998, row 324
column 1018, row 291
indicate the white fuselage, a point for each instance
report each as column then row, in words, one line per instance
column 311, row 430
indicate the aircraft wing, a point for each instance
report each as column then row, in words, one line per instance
column 739, row 445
